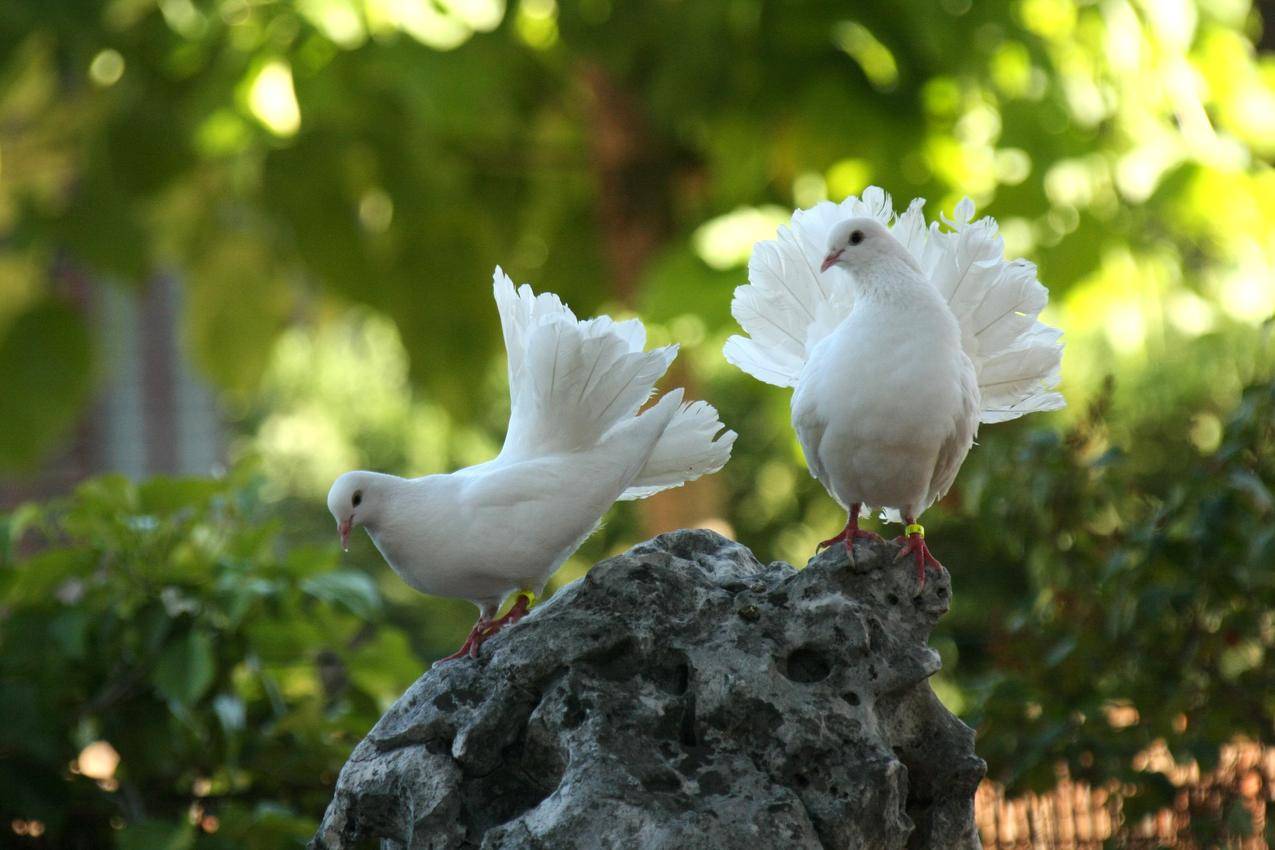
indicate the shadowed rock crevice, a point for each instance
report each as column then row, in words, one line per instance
column 682, row 695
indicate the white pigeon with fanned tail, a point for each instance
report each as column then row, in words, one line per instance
column 894, row 364
column 576, row 443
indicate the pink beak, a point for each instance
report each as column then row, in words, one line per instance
column 344, row 528
column 829, row 261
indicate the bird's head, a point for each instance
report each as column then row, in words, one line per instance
column 857, row 242
column 353, row 500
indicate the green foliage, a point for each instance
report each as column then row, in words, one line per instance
column 232, row 666
column 60, row 382
column 1143, row 613
column 231, row 674
column 289, row 159
column 361, row 152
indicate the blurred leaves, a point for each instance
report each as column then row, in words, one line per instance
column 167, row 621
column 1147, row 587
column 288, row 159
column 391, row 154
column 44, row 381
column 184, row 670
column 353, row 590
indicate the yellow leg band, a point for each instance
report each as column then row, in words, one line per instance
column 915, row 528
column 531, row 597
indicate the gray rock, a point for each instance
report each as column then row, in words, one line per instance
column 682, row 695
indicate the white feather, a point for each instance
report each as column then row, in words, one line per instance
column 893, row 372
column 576, row 443
column 787, row 306
column 686, row 451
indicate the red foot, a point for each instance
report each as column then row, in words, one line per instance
column 850, row 533
column 470, row 647
column 914, row 544
column 848, row 536
column 484, row 629
column 517, row 612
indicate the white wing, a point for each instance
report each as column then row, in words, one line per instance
column 810, row 428
column 787, row 306
column 957, row 445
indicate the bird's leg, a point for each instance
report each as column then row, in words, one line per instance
column 470, row 646
column 486, row 627
column 852, row 531
column 519, row 610
column 913, row 542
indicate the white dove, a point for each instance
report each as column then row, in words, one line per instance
column 894, row 365
column 575, row 445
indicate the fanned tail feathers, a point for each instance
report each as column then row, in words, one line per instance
column 572, row 382
column 787, row 307
column 1018, row 358
column 686, row 451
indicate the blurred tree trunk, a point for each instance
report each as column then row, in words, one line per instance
column 1266, row 9
column 632, row 166
column 636, row 170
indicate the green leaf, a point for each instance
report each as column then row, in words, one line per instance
column 355, row 590
column 186, row 667
column 156, row 835
column 231, row 335
column 13, row 526
column 70, row 630
column 37, row 580
column 164, row 494
column 44, row 381
column 383, row 666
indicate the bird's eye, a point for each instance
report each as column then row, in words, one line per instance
column 856, row 237
column 358, row 498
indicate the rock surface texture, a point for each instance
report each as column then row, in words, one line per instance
column 682, row 695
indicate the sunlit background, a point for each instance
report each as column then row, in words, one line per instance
column 247, row 245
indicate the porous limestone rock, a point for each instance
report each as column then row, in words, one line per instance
column 682, row 695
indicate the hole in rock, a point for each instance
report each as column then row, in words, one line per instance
column 807, row 665
column 574, row 712
column 683, row 680
column 670, row 671
column 689, row 737
column 616, row 663
column 852, row 698
column 892, row 599
column 524, row 777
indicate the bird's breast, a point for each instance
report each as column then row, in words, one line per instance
column 890, row 377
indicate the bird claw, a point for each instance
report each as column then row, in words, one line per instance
column 850, row 533
column 848, row 537
column 470, row 646
column 485, row 629
column 914, row 544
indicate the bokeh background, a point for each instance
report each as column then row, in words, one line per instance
column 246, row 245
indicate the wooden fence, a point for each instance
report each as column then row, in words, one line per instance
column 1076, row 816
